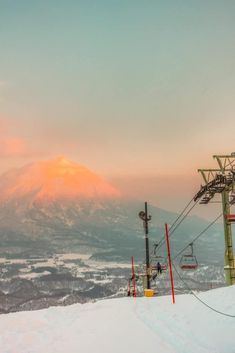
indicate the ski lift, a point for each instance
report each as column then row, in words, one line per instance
column 189, row 261
column 163, row 262
column 161, row 259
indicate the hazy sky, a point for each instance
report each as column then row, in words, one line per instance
column 135, row 90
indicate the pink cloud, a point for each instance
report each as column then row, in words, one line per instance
column 13, row 147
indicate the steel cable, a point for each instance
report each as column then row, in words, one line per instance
column 199, row 235
column 162, row 241
column 200, row 300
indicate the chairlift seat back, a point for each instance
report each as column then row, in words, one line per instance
column 188, row 262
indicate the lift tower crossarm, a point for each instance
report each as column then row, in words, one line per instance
column 214, row 183
column 208, row 174
column 226, row 162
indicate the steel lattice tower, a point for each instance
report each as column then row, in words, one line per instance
column 222, row 181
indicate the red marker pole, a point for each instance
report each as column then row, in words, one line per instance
column 169, row 260
column 133, row 276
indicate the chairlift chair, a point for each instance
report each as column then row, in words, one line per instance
column 163, row 262
column 188, row 261
column 161, row 259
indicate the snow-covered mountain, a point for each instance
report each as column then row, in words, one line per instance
column 57, row 207
column 126, row 325
column 60, row 204
column 55, row 194
column 52, row 180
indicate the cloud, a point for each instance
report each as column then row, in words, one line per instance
column 11, row 144
column 13, row 147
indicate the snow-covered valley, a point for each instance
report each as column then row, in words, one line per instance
column 65, row 279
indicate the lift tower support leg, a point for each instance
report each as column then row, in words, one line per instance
column 229, row 264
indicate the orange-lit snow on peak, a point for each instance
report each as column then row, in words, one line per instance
column 53, row 179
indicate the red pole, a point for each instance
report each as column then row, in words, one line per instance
column 133, row 276
column 169, row 260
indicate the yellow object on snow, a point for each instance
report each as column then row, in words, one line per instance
column 148, row 292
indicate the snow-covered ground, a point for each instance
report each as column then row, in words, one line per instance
column 136, row 325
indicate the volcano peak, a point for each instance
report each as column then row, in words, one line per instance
column 53, row 179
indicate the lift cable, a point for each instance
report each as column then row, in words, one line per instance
column 199, row 235
column 161, row 242
column 171, row 231
column 186, row 214
column 180, row 215
column 176, row 220
column 200, row 300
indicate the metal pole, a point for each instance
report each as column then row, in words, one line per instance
column 229, row 265
column 146, row 220
column 133, row 277
column 169, row 259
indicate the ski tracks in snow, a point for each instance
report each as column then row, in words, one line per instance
column 184, row 326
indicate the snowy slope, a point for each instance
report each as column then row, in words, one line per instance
column 125, row 325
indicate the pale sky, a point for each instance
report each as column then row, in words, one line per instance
column 137, row 91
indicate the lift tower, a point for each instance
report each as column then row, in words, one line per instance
column 146, row 219
column 222, row 180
